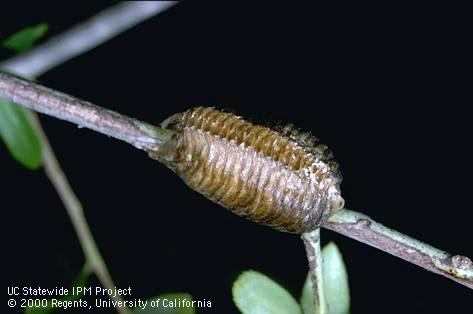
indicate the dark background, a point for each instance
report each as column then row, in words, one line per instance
column 387, row 88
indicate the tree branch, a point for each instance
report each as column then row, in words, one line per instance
column 83, row 37
column 85, row 114
column 148, row 137
column 364, row 229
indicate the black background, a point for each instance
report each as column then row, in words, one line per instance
column 387, row 88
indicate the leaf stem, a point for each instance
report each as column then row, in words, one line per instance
column 364, row 229
column 314, row 257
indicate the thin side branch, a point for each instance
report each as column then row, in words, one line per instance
column 55, row 174
column 85, row 114
column 83, row 37
column 314, row 257
column 364, row 229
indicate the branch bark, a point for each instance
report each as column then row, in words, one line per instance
column 364, row 229
column 85, row 114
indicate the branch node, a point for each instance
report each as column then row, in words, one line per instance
column 462, row 262
column 363, row 223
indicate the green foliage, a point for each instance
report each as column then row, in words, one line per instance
column 25, row 38
column 18, row 135
column 16, row 130
column 307, row 298
column 337, row 292
column 254, row 293
column 161, row 309
column 79, row 281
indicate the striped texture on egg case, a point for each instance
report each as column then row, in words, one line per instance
column 280, row 178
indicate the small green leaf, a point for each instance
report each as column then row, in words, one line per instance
column 307, row 298
column 255, row 293
column 337, row 291
column 79, row 281
column 40, row 310
column 18, row 135
column 170, row 303
column 25, row 38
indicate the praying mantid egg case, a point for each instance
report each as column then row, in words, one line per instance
column 280, row 178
